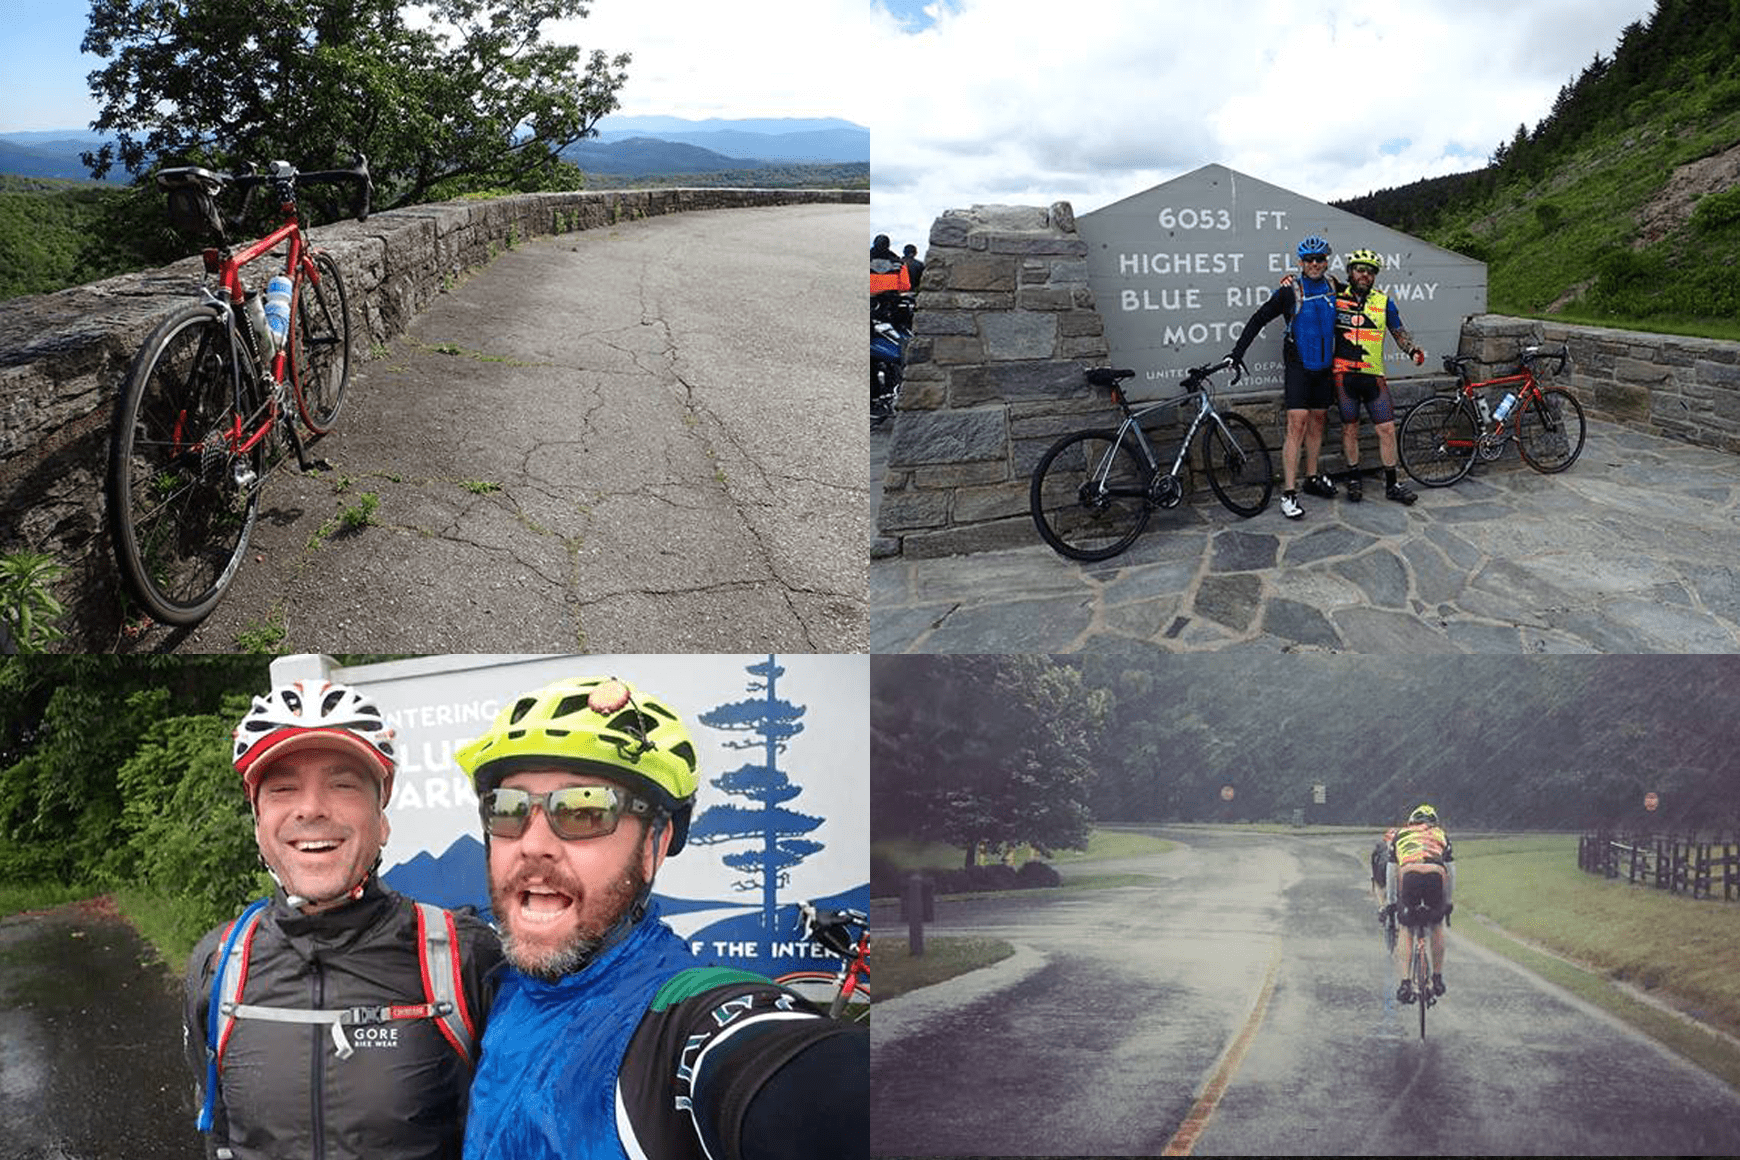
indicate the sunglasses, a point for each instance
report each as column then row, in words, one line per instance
column 1361, row 268
column 574, row 812
column 1315, row 258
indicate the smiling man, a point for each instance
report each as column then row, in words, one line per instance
column 608, row 1038
column 335, row 1018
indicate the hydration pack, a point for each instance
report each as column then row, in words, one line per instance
column 443, row 995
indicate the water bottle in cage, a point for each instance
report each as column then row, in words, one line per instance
column 1481, row 405
column 1505, row 406
column 278, row 309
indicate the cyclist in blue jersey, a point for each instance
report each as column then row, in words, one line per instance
column 608, row 1038
column 1308, row 355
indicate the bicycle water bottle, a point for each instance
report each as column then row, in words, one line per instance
column 1505, row 406
column 278, row 309
column 1481, row 405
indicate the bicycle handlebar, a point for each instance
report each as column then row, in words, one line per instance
column 1560, row 356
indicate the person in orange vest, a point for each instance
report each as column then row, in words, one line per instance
column 1362, row 314
column 1422, row 878
column 888, row 274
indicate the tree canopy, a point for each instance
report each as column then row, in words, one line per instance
column 982, row 751
column 442, row 97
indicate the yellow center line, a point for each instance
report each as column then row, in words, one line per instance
column 1202, row 1111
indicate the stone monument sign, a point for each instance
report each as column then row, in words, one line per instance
column 1177, row 271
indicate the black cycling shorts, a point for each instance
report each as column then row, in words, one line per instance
column 1308, row 390
column 1373, row 390
column 1420, row 899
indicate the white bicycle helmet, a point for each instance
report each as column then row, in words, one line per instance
column 309, row 715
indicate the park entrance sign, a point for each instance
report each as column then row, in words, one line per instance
column 1177, row 272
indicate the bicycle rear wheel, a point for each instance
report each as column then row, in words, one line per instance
column 1238, row 466
column 1089, row 495
column 320, row 346
column 1550, row 431
column 181, row 501
column 1437, row 441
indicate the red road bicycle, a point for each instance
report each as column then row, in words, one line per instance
column 214, row 393
column 1440, row 438
column 845, row 934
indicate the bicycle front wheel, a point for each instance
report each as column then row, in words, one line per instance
column 1550, row 431
column 1238, row 466
column 320, row 346
column 1422, row 977
column 1437, row 441
column 182, row 500
column 1089, row 495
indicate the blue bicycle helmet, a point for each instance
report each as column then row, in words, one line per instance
column 1314, row 247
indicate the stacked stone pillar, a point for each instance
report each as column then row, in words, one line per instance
column 1006, row 323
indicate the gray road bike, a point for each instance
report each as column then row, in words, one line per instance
column 1093, row 491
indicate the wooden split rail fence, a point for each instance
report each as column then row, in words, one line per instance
column 1682, row 865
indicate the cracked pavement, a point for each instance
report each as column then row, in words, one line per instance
column 643, row 438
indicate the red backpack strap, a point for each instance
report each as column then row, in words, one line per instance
column 443, row 988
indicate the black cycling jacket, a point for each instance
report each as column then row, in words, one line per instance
column 284, row 1092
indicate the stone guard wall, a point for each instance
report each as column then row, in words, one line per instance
column 1006, row 323
column 64, row 356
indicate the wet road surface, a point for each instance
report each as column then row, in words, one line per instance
column 1104, row 1049
column 90, row 1042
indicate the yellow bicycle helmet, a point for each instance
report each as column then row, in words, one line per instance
column 1424, row 814
column 597, row 725
column 1365, row 258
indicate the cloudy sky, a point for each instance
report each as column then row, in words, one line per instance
column 692, row 58
column 1090, row 101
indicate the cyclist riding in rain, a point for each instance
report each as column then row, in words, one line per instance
column 1422, row 880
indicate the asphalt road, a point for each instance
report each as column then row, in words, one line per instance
column 645, row 438
column 1132, row 998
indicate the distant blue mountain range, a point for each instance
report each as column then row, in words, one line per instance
column 630, row 146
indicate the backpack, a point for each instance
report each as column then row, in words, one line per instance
column 443, row 995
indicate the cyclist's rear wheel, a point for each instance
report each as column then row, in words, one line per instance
column 1089, row 495
column 1437, row 441
column 1238, row 466
column 1550, row 431
column 181, row 503
column 320, row 346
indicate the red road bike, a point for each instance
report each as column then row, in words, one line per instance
column 844, row 934
column 1440, row 439
column 215, row 391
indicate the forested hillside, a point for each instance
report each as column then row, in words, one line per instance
column 1620, row 206
column 1008, row 749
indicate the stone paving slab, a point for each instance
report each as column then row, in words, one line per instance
column 1636, row 548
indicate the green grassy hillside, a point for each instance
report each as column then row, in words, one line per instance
column 1621, row 207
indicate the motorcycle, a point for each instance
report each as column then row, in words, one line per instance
column 890, row 331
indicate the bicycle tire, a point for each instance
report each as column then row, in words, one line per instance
column 1240, row 473
column 1422, row 976
column 178, row 518
column 1437, row 440
column 1089, row 495
column 1550, row 431
column 320, row 346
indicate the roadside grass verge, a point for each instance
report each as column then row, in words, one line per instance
column 908, row 854
column 16, row 898
column 1598, row 939
column 944, row 958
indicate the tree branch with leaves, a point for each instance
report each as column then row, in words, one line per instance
column 443, row 98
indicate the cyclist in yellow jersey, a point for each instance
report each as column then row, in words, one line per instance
column 1422, row 878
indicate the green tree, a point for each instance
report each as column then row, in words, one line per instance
column 982, row 751
column 470, row 97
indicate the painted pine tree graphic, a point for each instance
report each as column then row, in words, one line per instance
column 766, row 723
